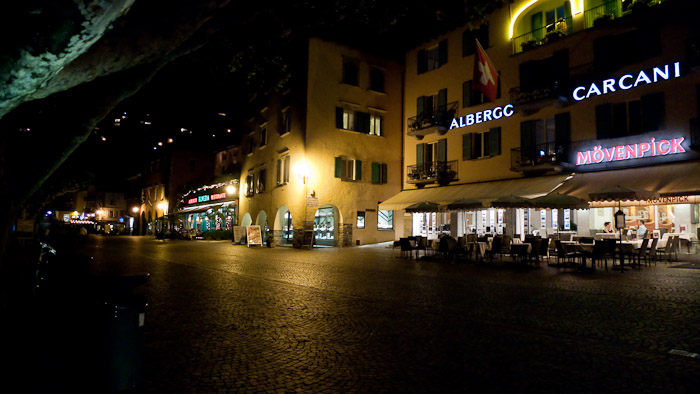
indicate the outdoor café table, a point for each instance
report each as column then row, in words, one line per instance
column 627, row 248
column 522, row 250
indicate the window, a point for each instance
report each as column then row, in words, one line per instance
column 348, row 169
column 263, row 135
column 385, row 220
column 431, row 107
column 360, row 219
column 630, row 118
column 351, row 72
column 375, row 124
column 376, row 80
column 363, row 122
column 469, row 38
column 285, row 121
column 486, row 144
column 283, row 170
column 546, row 139
column 432, row 58
column 262, row 177
column 471, row 97
column 250, row 185
column 111, row 213
column 379, row 172
column 251, row 143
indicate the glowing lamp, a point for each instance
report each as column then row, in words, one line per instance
column 230, row 189
column 135, row 209
column 619, row 219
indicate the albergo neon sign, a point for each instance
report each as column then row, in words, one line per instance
column 629, row 152
column 482, row 116
column 627, row 81
column 206, row 197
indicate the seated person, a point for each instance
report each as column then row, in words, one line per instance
column 608, row 228
column 641, row 230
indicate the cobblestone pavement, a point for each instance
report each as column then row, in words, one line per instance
column 224, row 318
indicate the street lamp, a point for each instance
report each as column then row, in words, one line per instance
column 620, row 224
column 231, row 190
column 135, row 209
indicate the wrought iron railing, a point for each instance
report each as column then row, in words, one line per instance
column 537, row 155
column 442, row 172
column 519, row 97
column 600, row 15
column 543, row 35
column 438, row 116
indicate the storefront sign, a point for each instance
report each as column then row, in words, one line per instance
column 218, row 196
column 654, row 147
column 656, row 201
column 482, row 116
column 206, row 197
column 192, row 201
column 628, row 81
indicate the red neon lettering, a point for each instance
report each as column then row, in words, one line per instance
column 620, row 152
column 631, row 151
column 660, row 148
column 609, row 153
column 192, row 201
column 644, row 147
column 583, row 158
column 676, row 146
column 218, row 196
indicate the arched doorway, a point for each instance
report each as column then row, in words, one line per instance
column 283, row 228
column 246, row 220
column 261, row 221
column 327, row 224
column 142, row 224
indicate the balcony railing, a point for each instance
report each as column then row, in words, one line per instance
column 602, row 14
column 439, row 119
column 543, row 35
column 540, row 157
column 532, row 101
column 442, row 172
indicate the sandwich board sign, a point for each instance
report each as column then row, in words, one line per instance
column 254, row 235
column 239, row 235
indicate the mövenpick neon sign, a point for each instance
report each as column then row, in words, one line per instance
column 482, row 116
column 627, row 152
column 627, row 81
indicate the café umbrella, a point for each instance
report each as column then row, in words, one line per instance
column 465, row 204
column 425, row 206
column 559, row 201
column 511, row 202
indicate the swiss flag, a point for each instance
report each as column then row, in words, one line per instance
column 485, row 74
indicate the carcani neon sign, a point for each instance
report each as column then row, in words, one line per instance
column 627, row 152
column 482, row 116
column 206, row 197
column 628, row 81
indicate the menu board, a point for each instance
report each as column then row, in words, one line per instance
column 254, row 236
column 238, row 235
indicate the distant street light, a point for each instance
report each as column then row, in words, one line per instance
column 135, row 209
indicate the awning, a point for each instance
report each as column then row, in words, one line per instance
column 674, row 179
column 203, row 208
column 482, row 191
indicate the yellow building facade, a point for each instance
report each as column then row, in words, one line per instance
column 585, row 87
column 323, row 155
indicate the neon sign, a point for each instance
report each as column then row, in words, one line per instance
column 482, row 116
column 218, row 196
column 192, row 201
column 627, row 81
column 628, row 152
column 203, row 198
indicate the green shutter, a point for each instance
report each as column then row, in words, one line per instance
column 421, row 61
column 466, row 146
column 338, row 167
column 419, row 153
column 442, row 52
column 653, row 113
column 339, row 117
column 442, row 100
column 466, row 94
column 603, row 121
column 384, row 168
column 442, row 150
column 279, row 171
column 358, row 170
column 536, row 20
column 562, row 132
column 375, row 172
column 494, row 143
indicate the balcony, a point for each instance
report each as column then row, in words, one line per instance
column 440, row 172
column 438, row 120
column 530, row 102
column 602, row 14
column 539, row 158
column 542, row 35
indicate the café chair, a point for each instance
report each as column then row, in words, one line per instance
column 642, row 251
column 651, row 252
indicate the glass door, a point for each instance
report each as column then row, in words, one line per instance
column 324, row 227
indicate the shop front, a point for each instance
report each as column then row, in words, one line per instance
column 209, row 212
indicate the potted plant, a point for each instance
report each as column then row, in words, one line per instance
column 529, row 44
column 555, row 35
column 602, row 20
